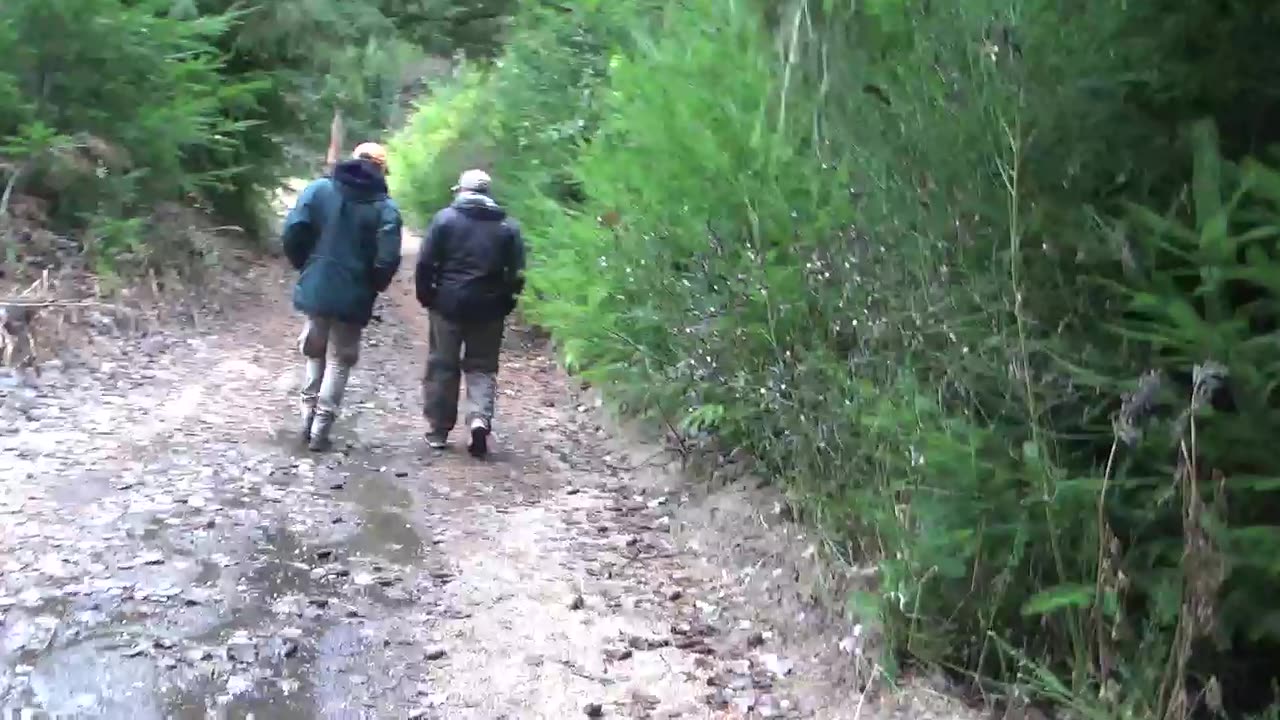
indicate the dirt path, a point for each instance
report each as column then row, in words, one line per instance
column 167, row 550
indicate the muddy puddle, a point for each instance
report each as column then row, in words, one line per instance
column 253, row 611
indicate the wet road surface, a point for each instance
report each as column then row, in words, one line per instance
column 168, row 550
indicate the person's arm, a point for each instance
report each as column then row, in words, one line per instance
column 425, row 275
column 387, row 261
column 515, row 263
column 298, row 236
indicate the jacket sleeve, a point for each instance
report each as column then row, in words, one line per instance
column 426, row 274
column 515, row 263
column 298, row 236
column 387, row 260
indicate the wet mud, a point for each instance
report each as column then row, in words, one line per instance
column 169, row 550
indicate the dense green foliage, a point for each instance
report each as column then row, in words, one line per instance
column 109, row 109
column 95, row 139
column 979, row 282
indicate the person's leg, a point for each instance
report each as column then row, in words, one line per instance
column 442, row 378
column 312, row 344
column 483, row 343
column 344, row 352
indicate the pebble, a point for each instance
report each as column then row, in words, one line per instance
column 618, row 654
column 767, row 706
column 242, row 651
column 645, row 699
column 776, row 665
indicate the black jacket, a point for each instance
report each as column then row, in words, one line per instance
column 471, row 268
column 344, row 235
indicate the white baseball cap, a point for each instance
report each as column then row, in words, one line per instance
column 473, row 180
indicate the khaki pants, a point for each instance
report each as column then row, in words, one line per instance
column 331, row 348
column 455, row 349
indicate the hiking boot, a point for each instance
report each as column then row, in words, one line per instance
column 320, row 431
column 437, row 440
column 479, row 446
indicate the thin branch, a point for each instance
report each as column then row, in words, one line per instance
column 790, row 61
column 6, row 239
column 862, row 697
column 8, row 190
column 1099, row 617
column 576, row 670
column 646, row 462
column 21, row 302
column 645, row 557
column 481, row 14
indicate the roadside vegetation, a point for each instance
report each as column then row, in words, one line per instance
column 118, row 116
column 988, row 287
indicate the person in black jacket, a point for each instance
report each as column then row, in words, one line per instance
column 344, row 236
column 469, row 275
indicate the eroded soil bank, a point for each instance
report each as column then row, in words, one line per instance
column 168, row 550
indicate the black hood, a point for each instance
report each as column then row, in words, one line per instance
column 360, row 180
column 478, row 206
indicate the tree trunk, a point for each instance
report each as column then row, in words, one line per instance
column 335, row 141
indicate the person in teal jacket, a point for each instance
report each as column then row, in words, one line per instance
column 343, row 235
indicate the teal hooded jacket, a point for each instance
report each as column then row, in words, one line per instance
column 344, row 236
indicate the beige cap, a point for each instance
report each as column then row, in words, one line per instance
column 473, row 180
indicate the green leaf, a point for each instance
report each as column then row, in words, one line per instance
column 1058, row 598
column 1206, row 179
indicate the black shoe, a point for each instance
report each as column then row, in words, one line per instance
column 479, row 446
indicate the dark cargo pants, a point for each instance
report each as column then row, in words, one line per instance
column 457, row 349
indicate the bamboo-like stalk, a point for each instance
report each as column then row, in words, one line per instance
column 792, row 58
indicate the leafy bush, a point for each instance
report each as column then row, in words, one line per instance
column 898, row 252
column 443, row 137
column 137, row 115
column 295, row 62
column 109, row 109
column 532, row 108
